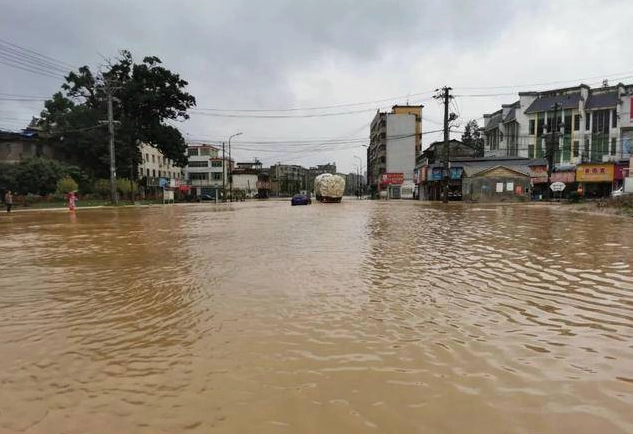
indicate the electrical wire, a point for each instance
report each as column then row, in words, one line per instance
column 28, row 60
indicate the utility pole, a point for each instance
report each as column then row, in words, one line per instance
column 113, row 194
column 446, row 96
column 231, row 167
column 552, row 145
column 224, row 172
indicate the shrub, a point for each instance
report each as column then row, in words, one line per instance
column 101, row 187
column 66, row 185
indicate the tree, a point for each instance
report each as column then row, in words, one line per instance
column 146, row 95
column 40, row 175
column 472, row 137
column 8, row 172
column 66, row 185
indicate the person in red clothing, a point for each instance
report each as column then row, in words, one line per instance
column 72, row 199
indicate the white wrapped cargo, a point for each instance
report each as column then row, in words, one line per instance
column 329, row 188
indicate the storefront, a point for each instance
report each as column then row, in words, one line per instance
column 596, row 180
column 391, row 186
column 435, row 183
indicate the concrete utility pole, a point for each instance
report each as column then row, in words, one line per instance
column 552, row 146
column 224, row 172
column 445, row 95
column 113, row 195
column 358, row 175
column 230, row 168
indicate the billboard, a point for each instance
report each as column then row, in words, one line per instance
column 567, row 177
column 595, row 173
column 436, row 173
column 392, row 178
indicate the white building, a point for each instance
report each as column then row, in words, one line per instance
column 155, row 165
column 594, row 125
column 395, row 140
column 206, row 174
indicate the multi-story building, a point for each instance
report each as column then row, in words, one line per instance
column 592, row 130
column 589, row 125
column 245, row 177
column 155, row 165
column 395, row 141
column 288, row 179
column 206, row 173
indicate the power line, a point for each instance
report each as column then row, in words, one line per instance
column 68, row 65
column 34, row 71
column 622, row 75
column 260, row 116
column 316, row 108
column 28, row 60
column 15, row 55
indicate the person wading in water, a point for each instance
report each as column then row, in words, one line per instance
column 8, row 200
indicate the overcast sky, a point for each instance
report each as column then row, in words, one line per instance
column 359, row 56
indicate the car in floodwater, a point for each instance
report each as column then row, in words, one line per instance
column 300, row 199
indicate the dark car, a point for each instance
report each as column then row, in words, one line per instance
column 300, row 199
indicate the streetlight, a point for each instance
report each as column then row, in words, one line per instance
column 360, row 172
column 230, row 168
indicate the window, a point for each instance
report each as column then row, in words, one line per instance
column 576, row 122
column 198, row 164
column 154, row 173
column 586, row 150
column 147, row 172
column 613, row 145
column 205, row 151
column 216, row 163
column 565, row 118
column 566, row 149
column 614, row 118
column 600, row 122
column 587, row 121
column 217, row 176
column 153, row 158
column 540, row 123
column 531, row 151
column 147, row 158
column 574, row 148
column 192, row 152
column 198, row 176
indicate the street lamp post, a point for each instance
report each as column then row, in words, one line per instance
column 230, row 171
column 360, row 173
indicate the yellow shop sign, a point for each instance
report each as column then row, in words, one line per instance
column 595, row 172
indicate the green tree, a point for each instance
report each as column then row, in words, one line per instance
column 472, row 137
column 38, row 175
column 124, row 186
column 66, row 185
column 102, row 187
column 8, row 173
column 145, row 96
column 41, row 175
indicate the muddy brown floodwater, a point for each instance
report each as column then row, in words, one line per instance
column 362, row 317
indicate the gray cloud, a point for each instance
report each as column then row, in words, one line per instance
column 288, row 53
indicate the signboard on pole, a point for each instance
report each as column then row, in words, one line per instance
column 557, row 186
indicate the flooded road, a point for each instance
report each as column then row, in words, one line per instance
column 363, row 317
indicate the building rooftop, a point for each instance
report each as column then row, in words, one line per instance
column 545, row 103
column 602, row 100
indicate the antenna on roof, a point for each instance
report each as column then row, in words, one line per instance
column 605, row 83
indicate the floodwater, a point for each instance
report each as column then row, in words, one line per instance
column 361, row 317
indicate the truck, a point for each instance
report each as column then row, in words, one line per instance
column 329, row 188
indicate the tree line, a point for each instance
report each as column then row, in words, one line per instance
column 145, row 97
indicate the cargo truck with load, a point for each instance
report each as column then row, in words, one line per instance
column 329, row 188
